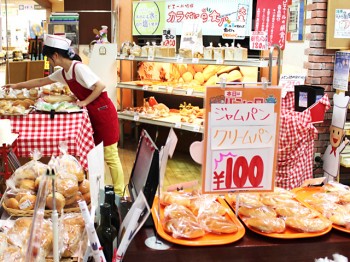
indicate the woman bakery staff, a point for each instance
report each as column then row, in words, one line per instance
column 88, row 88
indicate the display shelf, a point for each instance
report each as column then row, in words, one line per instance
column 161, row 122
column 253, row 62
column 161, row 89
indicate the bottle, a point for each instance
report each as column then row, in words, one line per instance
column 115, row 218
column 106, row 232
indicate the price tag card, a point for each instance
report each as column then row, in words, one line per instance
column 189, row 91
column 150, row 58
column 219, row 61
column 136, row 117
column 179, row 59
column 145, row 87
column 169, row 89
column 195, row 60
column 169, row 37
column 258, row 40
column 131, row 57
column 196, row 128
column 155, row 88
column 178, row 125
column 122, row 56
column 287, row 82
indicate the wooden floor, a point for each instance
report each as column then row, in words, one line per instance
column 181, row 168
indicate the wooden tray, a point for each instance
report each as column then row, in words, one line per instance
column 209, row 239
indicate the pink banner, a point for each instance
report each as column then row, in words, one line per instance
column 271, row 16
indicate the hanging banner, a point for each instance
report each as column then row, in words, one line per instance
column 341, row 70
column 150, row 18
column 271, row 16
column 240, row 139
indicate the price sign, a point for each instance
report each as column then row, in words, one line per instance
column 169, row 37
column 196, row 128
column 136, row 117
column 195, row 60
column 178, row 125
column 189, row 91
column 258, row 40
column 180, row 59
column 131, row 57
column 169, row 89
column 240, row 141
column 287, row 82
column 145, row 87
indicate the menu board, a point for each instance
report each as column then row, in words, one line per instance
column 240, row 139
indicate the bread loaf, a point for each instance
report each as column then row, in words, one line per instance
column 60, row 201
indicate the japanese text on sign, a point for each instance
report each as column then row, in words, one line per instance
column 258, row 40
column 271, row 16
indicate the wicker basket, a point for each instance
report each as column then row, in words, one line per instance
column 29, row 213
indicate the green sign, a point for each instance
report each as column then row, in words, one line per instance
column 147, row 18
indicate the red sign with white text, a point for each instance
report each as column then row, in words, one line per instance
column 271, row 16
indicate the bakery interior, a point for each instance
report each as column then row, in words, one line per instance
column 265, row 227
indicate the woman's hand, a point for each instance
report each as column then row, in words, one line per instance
column 13, row 86
column 82, row 103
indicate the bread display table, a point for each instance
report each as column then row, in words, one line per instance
column 251, row 248
column 39, row 131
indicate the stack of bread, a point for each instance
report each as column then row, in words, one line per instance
column 276, row 212
column 333, row 201
column 14, row 239
column 70, row 185
column 192, row 215
column 15, row 94
column 15, row 107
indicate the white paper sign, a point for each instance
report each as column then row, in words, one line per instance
column 242, row 137
column 342, row 23
column 224, row 115
column 258, row 40
column 132, row 223
column 169, row 37
column 287, row 82
column 96, row 167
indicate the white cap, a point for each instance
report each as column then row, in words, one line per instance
column 57, row 41
column 340, row 108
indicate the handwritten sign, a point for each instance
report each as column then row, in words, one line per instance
column 258, row 40
column 169, row 37
column 287, row 82
column 240, row 139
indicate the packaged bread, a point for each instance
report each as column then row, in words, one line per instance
column 67, row 185
column 27, row 202
column 219, row 53
column 261, row 212
column 229, row 52
column 144, row 50
column 29, row 171
column 178, row 211
column 66, row 163
column 168, row 198
column 18, row 232
column 60, row 201
column 240, row 53
column 84, row 186
column 135, row 50
column 267, row 224
column 72, row 230
column 208, row 51
column 3, row 242
column 183, row 228
column 12, row 253
column 217, row 224
column 309, row 225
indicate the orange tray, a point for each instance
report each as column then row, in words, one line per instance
column 302, row 193
column 209, row 239
column 287, row 234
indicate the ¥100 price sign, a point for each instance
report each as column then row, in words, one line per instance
column 240, row 139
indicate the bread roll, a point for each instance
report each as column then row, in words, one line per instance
column 27, row 184
column 3, row 242
column 227, row 69
column 21, row 194
column 178, row 211
column 73, row 203
column 87, row 197
column 267, row 224
column 218, row 224
column 70, row 200
column 168, row 198
column 187, row 77
column 309, row 225
column 11, row 203
column 199, row 77
column 84, row 186
column 67, row 187
column 183, row 228
column 60, row 201
column 27, row 202
column 257, row 211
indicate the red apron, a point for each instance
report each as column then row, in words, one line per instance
column 102, row 112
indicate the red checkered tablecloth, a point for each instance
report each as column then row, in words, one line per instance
column 38, row 131
column 296, row 144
